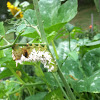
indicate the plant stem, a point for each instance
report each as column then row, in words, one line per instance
column 60, row 86
column 17, row 38
column 35, row 27
column 25, row 85
column 55, row 50
column 25, row 75
column 42, row 76
column 14, row 73
column 20, row 44
column 4, row 39
column 67, row 87
column 43, row 36
column 69, row 42
column 39, row 20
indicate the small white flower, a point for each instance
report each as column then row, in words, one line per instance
column 13, row 56
column 22, row 58
column 46, row 66
column 51, row 69
column 35, row 56
column 18, row 61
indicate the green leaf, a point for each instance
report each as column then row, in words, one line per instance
column 21, row 27
column 88, row 46
column 94, row 43
column 67, row 11
column 2, row 90
column 49, row 11
column 38, row 70
column 30, row 17
column 73, row 55
column 51, row 36
column 50, row 79
column 30, row 32
column 7, row 57
column 96, row 37
column 89, row 84
column 63, row 50
column 97, row 4
column 2, row 33
column 54, row 15
column 5, row 73
column 71, row 68
column 91, row 61
column 10, row 31
column 54, row 95
column 38, row 96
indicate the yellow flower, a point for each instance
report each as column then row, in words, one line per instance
column 14, row 10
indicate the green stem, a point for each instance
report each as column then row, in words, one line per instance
column 4, row 39
column 69, row 42
column 43, row 36
column 67, row 87
column 1, row 38
column 14, row 73
column 60, row 86
column 39, row 20
column 17, row 38
column 20, row 44
column 42, row 76
column 35, row 27
column 25, row 85
column 25, row 75
column 54, row 49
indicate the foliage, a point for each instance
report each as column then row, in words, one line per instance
column 97, row 4
column 76, row 59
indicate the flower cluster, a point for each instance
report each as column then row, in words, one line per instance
column 31, row 54
column 14, row 10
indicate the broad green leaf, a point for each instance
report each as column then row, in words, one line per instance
column 63, row 50
column 73, row 55
column 38, row 96
column 71, row 70
column 67, row 11
column 2, row 33
column 97, row 4
column 5, row 73
column 21, row 27
column 54, row 15
column 88, row 46
column 54, row 95
column 96, row 37
column 30, row 32
column 94, row 43
column 55, row 28
column 7, row 57
column 49, row 11
column 89, row 84
column 10, row 31
column 30, row 17
column 91, row 61
column 50, row 79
